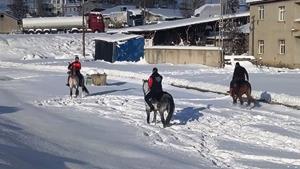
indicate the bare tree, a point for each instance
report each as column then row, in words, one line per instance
column 18, row 8
column 230, row 6
column 188, row 7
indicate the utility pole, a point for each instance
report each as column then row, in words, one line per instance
column 252, row 29
column 83, row 29
column 221, row 34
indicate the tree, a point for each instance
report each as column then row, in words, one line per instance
column 18, row 8
column 188, row 7
column 230, row 6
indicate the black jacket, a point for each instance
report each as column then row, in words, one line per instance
column 239, row 73
column 156, row 86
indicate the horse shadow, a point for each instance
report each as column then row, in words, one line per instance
column 109, row 91
column 188, row 114
column 8, row 109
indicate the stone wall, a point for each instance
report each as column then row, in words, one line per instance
column 210, row 56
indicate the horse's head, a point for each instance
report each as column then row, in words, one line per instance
column 73, row 71
column 145, row 86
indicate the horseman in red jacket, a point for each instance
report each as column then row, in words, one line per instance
column 155, row 86
column 77, row 66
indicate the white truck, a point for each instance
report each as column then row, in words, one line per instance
column 73, row 24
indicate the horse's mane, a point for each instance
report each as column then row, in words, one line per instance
column 145, row 87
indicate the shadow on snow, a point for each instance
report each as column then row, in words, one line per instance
column 108, row 92
column 8, row 109
column 188, row 114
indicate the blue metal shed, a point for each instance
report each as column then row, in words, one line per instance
column 119, row 47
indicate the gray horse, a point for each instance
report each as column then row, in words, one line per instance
column 165, row 104
column 75, row 84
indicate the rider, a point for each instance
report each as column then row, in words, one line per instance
column 239, row 74
column 77, row 66
column 154, row 83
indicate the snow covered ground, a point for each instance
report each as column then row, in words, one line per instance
column 41, row 127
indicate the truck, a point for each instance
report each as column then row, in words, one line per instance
column 69, row 24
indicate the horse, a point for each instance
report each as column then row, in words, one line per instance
column 240, row 88
column 164, row 104
column 75, row 83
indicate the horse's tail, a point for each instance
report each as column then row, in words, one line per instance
column 171, row 108
column 249, row 85
column 250, row 91
column 172, row 104
column 85, row 89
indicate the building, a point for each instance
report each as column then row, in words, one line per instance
column 71, row 8
column 45, row 7
column 275, row 32
column 8, row 23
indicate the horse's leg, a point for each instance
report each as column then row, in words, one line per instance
column 234, row 99
column 71, row 93
column 77, row 92
column 154, row 116
column 148, row 116
column 162, row 117
column 249, row 97
column 241, row 99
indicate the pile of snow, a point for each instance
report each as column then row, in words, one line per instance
column 25, row 47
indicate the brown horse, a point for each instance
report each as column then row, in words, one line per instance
column 240, row 88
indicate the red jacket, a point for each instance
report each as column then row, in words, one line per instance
column 76, row 65
column 150, row 82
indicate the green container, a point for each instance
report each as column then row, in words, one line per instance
column 88, row 79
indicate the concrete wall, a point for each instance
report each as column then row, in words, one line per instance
column 209, row 56
column 271, row 30
column 8, row 24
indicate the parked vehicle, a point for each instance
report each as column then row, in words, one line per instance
column 73, row 24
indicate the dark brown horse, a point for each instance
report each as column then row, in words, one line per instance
column 240, row 88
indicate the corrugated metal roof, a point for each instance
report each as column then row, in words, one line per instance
column 177, row 23
column 166, row 13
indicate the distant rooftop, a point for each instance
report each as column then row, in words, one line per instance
column 208, row 11
column 119, row 8
column 166, row 13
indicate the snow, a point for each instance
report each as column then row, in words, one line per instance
column 184, row 47
column 252, row 1
column 166, row 13
column 208, row 11
column 42, row 127
column 115, row 37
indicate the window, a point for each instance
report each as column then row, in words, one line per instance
column 281, row 13
column 261, row 45
column 261, row 12
column 282, row 46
